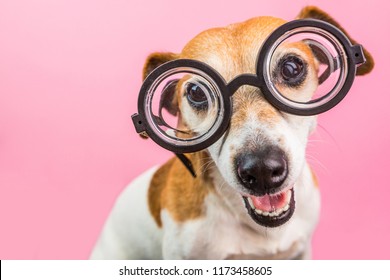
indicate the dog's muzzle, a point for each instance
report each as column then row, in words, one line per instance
column 262, row 173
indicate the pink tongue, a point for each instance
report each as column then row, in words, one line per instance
column 268, row 203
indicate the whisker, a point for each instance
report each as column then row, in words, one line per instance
column 330, row 136
column 221, row 186
column 315, row 161
column 205, row 167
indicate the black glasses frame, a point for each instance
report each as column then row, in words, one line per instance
column 354, row 55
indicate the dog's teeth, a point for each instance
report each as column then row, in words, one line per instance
column 258, row 211
column 278, row 212
column 250, row 202
column 266, row 213
column 275, row 212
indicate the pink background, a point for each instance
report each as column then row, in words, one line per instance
column 70, row 71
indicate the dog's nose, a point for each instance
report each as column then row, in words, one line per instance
column 263, row 170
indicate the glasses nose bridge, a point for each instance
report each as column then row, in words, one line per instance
column 243, row 80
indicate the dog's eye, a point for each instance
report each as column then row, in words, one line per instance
column 196, row 96
column 292, row 70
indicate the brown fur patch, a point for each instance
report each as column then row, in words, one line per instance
column 173, row 188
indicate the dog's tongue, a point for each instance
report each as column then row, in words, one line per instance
column 269, row 203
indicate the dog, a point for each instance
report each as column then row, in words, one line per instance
column 168, row 214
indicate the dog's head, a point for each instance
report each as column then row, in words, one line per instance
column 262, row 154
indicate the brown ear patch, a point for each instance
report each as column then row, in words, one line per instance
column 156, row 59
column 316, row 13
column 173, row 188
column 152, row 62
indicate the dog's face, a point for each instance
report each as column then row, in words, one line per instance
column 262, row 154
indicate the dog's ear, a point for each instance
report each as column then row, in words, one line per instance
column 316, row 13
column 168, row 98
column 156, row 59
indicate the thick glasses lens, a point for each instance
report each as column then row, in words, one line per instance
column 305, row 68
column 183, row 106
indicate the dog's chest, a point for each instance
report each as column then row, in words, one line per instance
column 234, row 238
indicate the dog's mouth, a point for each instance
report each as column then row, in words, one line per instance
column 271, row 210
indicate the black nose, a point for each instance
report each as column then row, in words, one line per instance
column 263, row 170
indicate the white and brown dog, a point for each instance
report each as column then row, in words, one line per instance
column 224, row 213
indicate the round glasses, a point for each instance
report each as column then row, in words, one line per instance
column 305, row 67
